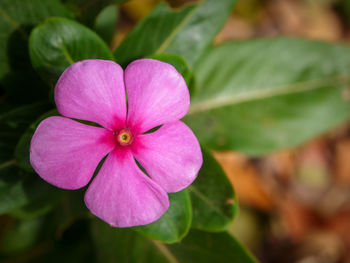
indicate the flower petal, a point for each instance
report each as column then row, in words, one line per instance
column 122, row 195
column 93, row 90
column 65, row 153
column 171, row 155
column 157, row 94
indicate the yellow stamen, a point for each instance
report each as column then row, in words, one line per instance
column 124, row 137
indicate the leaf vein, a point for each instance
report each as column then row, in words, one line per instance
column 173, row 34
column 208, row 201
column 210, row 104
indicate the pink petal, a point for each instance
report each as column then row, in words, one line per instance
column 93, row 90
column 171, row 155
column 122, row 195
column 65, row 153
column 157, row 94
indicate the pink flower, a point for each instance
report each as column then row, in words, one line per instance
column 127, row 104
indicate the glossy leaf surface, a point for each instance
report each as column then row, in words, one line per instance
column 213, row 199
column 175, row 223
column 123, row 245
column 186, row 32
column 58, row 43
column 263, row 95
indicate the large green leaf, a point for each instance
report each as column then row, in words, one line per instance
column 213, row 200
column 262, row 95
column 17, row 77
column 175, row 223
column 19, row 188
column 186, row 32
column 59, row 42
column 201, row 246
column 124, row 245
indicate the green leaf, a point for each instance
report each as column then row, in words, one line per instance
column 13, row 122
column 17, row 77
column 87, row 10
column 213, row 199
column 21, row 189
column 59, row 42
column 12, row 194
column 261, row 95
column 180, row 64
column 175, row 223
column 186, row 32
column 201, row 246
column 124, row 245
column 17, row 17
column 22, row 150
column 106, row 21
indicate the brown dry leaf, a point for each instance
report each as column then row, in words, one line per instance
column 235, row 28
column 313, row 169
column 342, row 161
column 321, row 247
column 297, row 218
column 287, row 14
column 340, row 132
column 306, row 18
column 341, row 225
column 245, row 179
column 281, row 164
column 322, row 21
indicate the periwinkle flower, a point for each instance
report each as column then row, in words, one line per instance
column 127, row 104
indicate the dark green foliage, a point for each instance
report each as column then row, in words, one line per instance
column 252, row 96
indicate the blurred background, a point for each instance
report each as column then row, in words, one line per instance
column 295, row 204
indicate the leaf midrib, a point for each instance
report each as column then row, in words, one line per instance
column 171, row 226
column 175, row 31
column 207, row 201
column 233, row 99
column 66, row 54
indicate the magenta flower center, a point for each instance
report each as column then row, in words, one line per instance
column 124, row 137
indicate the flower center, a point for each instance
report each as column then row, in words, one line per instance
column 124, row 137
